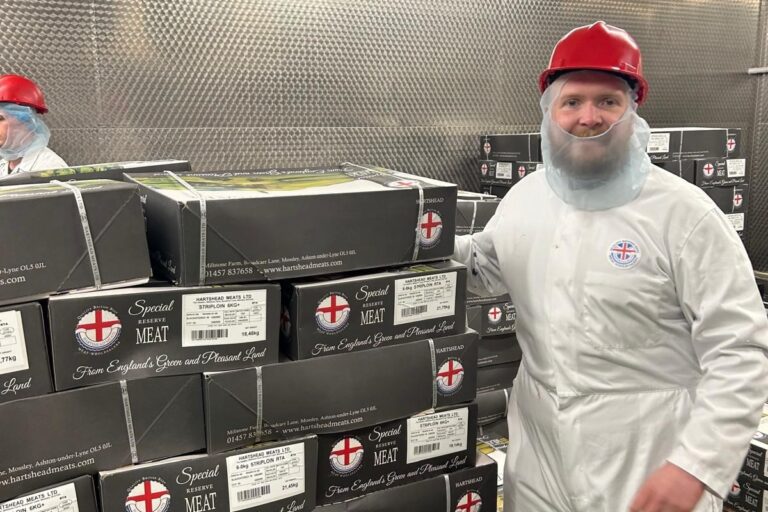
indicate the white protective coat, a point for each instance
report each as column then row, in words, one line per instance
column 630, row 360
column 38, row 160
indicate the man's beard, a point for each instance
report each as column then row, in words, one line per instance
column 591, row 156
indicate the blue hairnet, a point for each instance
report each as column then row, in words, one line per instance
column 26, row 133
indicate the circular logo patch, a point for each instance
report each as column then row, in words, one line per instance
column 484, row 169
column 731, row 144
column 709, row 170
column 486, row 147
column 98, row 329
column 450, row 376
column 470, row 502
column 332, row 313
column 624, row 254
column 737, row 199
column 148, row 496
column 521, row 171
column 495, row 315
column 346, row 455
column 735, row 489
column 431, row 227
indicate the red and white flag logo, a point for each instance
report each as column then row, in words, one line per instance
column 148, row 496
column 332, row 314
column 450, row 376
column 494, row 315
column 98, row 329
column 346, row 455
column 430, row 227
column 470, row 502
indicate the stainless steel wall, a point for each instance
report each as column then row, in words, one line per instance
column 409, row 84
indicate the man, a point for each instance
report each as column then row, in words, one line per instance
column 643, row 333
column 23, row 134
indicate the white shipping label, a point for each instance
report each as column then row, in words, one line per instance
column 737, row 219
column 438, row 434
column 737, row 167
column 504, row 170
column 425, row 297
column 13, row 346
column 264, row 476
column 658, row 143
column 501, row 460
column 226, row 318
column 58, row 499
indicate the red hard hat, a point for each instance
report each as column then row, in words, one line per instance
column 23, row 91
column 600, row 47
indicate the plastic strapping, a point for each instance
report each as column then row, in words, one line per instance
column 433, row 357
column 129, row 422
column 680, row 152
column 417, row 242
column 447, row 481
column 529, row 148
column 86, row 230
column 474, row 217
column 506, row 402
column 259, row 403
column 203, row 223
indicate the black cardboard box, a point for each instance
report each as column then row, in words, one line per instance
column 45, row 248
column 492, row 318
column 330, row 315
column 273, row 477
column 495, row 190
column 136, row 333
column 506, row 173
column 399, row 452
column 720, row 172
column 471, row 489
column 108, row 171
column 687, row 143
column 492, row 406
column 493, row 350
column 748, row 492
column 76, row 495
column 685, row 169
column 472, row 215
column 496, row 377
column 288, row 224
column 516, row 147
column 64, row 435
column 24, row 367
column 332, row 394
column 733, row 201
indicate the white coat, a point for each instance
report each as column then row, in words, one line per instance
column 644, row 341
column 35, row 161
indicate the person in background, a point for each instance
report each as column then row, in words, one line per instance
column 23, row 134
column 644, row 336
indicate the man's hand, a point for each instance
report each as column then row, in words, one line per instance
column 668, row 489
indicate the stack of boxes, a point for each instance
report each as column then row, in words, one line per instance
column 176, row 397
column 506, row 159
column 710, row 158
column 749, row 492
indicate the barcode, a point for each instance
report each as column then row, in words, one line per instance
column 413, row 311
column 209, row 334
column 426, row 448
column 252, row 494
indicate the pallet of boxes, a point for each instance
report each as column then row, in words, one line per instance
column 505, row 159
column 303, row 343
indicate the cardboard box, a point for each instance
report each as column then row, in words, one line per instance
column 493, row 350
column 473, row 299
column 516, row 147
column 288, row 224
column 492, row 319
column 734, row 143
column 749, row 491
column 45, row 249
column 136, row 333
column 471, row 489
column 496, row 377
column 76, row 495
column 506, row 173
column 274, row 477
column 472, row 215
column 399, row 452
column 687, row 143
column 493, row 442
column 492, row 407
column 332, row 394
column 24, row 367
column 685, row 169
column 50, row 438
column 495, row 190
column 720, row 172
column 334, row 315
column 733, row 201
column 109, row 171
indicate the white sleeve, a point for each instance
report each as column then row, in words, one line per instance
column 729, row 331
column 478, row 253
